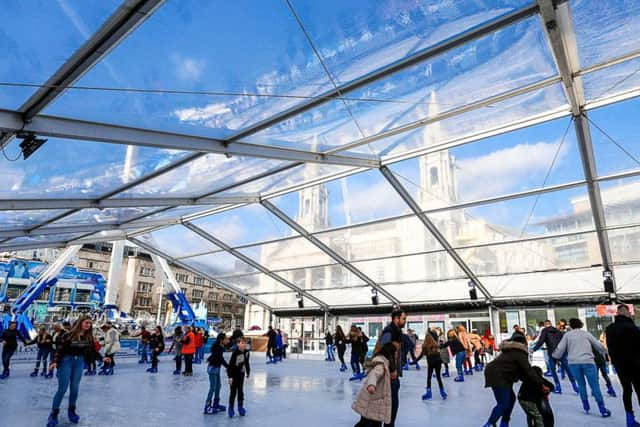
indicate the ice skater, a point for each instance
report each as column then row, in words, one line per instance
column 458, row 351
column 271, row 345
column 341, row 346
column 355, row 339
column 328, row 342
column 534, row 400
column 177, row 344
column 239, row 367
column 73, row 350
column 156, row 347
column 44, row 342
column 9, row 340
column 431, row 349
column 215, row 362
column 188, row 350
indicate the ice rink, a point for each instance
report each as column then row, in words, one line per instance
column 307, row 393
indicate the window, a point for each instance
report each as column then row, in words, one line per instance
column 90, row 264
column 226, row 309
column 145, row 287
column 213, row 296
column 196, row 293
column 147, row 272
column 226, row 297
column 198, row 280
column 433, row 173
column 182, row 277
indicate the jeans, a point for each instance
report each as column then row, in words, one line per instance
column 69, row 374
column 7, row 353
column 553, row 364
column 43, row 354
column 214, row 383
column 505, row 400
column 395, row 401
column 355, row 362
column 460, row 356
column 589, row 371
column 143, row 352
column 330, row 356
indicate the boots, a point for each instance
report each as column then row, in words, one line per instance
column 558, row 389
column 50, row 374
column 427, row 395
column 343, row 368
column 405, row 367
column 44, row 371
column 176, row 372
column 231, row 412
column 241, row 411
column 5, row 374
column 208, row 409
column 52, row 421
column 73, row 417
column 217, row 407
column 603, row 410
column 610, row 390
column 631, row 421
column 504, row 423
column 446, row 372
column 152, row 370
column 575, row 387
column 356, row 377
column 34, row 373
column 459, row 378
column 585, row 406
column 443, row 394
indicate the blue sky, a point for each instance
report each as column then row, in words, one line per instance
column 257, row 47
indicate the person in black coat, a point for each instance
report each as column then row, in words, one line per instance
column 534, row 401
column 623, row 343
column 9, row 339
column 236, row 371
column 156, row 346
column 511, row 366
column 328, row 342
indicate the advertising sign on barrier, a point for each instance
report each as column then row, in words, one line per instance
column 610, row 310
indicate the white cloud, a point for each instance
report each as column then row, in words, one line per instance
column 187, row 69
column 371, row 202
column 505, row 170
column 204, row 114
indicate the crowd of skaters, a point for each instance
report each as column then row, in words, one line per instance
column 569, row 349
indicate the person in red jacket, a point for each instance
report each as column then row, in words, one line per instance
column 199, row 345
column 188, row 350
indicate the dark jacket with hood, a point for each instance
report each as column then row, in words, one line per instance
column 550, row 337
column 623, row 343
column 511, row 366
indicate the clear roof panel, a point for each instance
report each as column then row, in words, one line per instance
column 175, row 213
column 393, row 237
column 605, row 32
column 42, row 239
column 354, row 40
column 26, row 59
column 290, row 178
column 287, row 254
column 334, row 277
column 255, row 283
column 26, row 219
column 348, row 297
column 526, row 159
column 102, row 216
column 558, row 212
column 204, row 175
column 198, row 48
column 436, row 292
column 544, row 285
column 244, row 225
column 64, row 168
column 177, row 241
column 219, row 264
column 625, row 245
column 615, row 137
column 283, row 300
column 498, row 63
column 627, row 279
column 621, row 201
column 412, row 268
column 557, row 253
column 107, row 235
column 616, row 80
column 472, row 124
column 354, row 199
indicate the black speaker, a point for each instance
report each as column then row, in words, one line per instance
column 300, row 303
column 374, row 299
column 608, row 285
column 473, row 294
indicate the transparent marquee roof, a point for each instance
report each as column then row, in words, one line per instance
column 329, row 151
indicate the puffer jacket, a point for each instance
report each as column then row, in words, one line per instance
column 111, row 341
column 463, row 336
column 511, row 366
column 475, row 341
column 377, row 406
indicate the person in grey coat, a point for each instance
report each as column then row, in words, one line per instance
column 579, row 345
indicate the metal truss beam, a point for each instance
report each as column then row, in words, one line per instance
column 420, row 56
column 180, row 264
column 12, row 121
column 404, row 194
column 559, row 28
column 242, row 257
column 38, row 204
column 327, row 250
